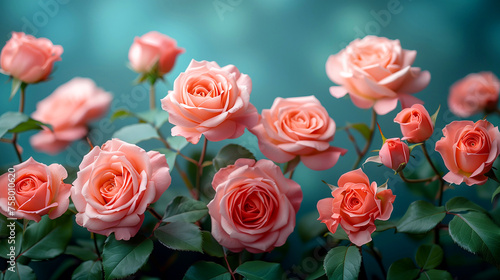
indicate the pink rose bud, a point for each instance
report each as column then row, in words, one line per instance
column 376, row 72
column 153, row 48
column 468, row 150
column 473, row 94
column 38, row 190
column 355, row 206
column 29, row 59
column 394, row 153
column 416, row 124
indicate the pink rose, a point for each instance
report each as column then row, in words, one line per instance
column 469, row 150
column 416, row 124
column 254, row 206
column 29, row 59
column 115, row 185
column 69, row 109
column 151, row 49
column 37, row 190
column 212, row 101
column 355, row 205
column 377, row 72
column 473, row 94
column 298, row 126
column 394, row 153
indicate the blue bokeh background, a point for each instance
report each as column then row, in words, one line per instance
column 282, row 45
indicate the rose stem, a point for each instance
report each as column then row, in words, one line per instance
column 21, row 110
column 228, row 266
column 152, row 96
column 362, row 274
column 368, row 142
column 200, row 163
column 154, row 213
column 351, row 137
column 94, row 237
column 378, row 258
column 441, row 181
column 401, row 174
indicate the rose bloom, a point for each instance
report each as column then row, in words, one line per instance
column 355, row 205
column 115, row 185
column 151, row 49
column 29, row 59
column 69, row 109
column 469, row 150
column 473, row 94
column 416, row 124
column 298, row 126
column 376, row 72
column 394, row 153
column 212, row 101
column 37, row 190
column 254, row 206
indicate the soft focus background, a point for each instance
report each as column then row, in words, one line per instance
column 283, row 46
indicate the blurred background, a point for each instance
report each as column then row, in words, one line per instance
column 283, row 46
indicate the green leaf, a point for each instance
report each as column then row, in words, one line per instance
column 478, row 234
column 461, row 204
column 155, row 117
column 48, row 238
column 229, row 154
column 385, row 225
column 434, row 116
column 10, row 120
column 136, row 133
column 82, row 253
column 207, row 271
column 6, row 242
column 123, row 258
column 180, row 236
column 362, row 128
column 260, row 270
column 435, row 274
column 16, row 84
column 420, row 217
column 170, row 155
column 309, row 227
column 403, row 269
column 89, row 270
column 211, row 246
column 185, row 209
column 121, row 113
column 339, row 234
column 29, row 124
column 22, row 272
column 317, row 274
column 343, row 263
column 429, row 256
column 177, row 142
column 497, row 191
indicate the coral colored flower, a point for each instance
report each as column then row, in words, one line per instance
column 298, row 126
column 469, row 150
column 69, row 110
column 473, row 94
column 254, row 206
column 212, row 101
column 115, row 185
column 29, row 59
column 153, row 49
column 416, row 124
column 376, row 72
column 355, row 206
column 394, row 153
column 37, row 190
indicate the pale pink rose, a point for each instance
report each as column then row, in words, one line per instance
column 355, row 206
column 473, row 94
column 468, row 150
column 376, row 72
column 394, row 153
column 153, row 48
column 416, row 124
column 69, row 109
column 298, row 126
column 29, row 59
column 212, row 101
column 115, row 185
column 254, row 206
column 37, row 190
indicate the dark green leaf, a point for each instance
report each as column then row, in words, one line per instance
column 185, row 209
column 207, row 271
column 478, row 234
column 180, row 236
column 123, row 258
column 362, row 128
column 317, row 274
column 339, row 234
column 22, row 272
column 260, row 270
column 497, row 191
column 461, row 204
column 229, row 154
column 6, row 242
column 89, row 270
column 211, row 246
column 309, row 227
column 421, row 217
column 29, row 124
column 177, row 142
column 343, row 263
column 136, row 133
column 16, row 84
column 82, row 253
column 385, row 225
column 10, row 120
column 435, row 274
column 429, row 256
column 48, row 238
column 403, row 269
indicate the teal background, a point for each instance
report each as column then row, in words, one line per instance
column 282, row 46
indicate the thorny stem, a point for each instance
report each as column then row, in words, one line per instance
column 368, row 142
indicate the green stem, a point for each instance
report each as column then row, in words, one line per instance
column 199, row 165
column 436, row 171
column 21, row 110
column 152, row 97
column 413, row 181
column 368, row 142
